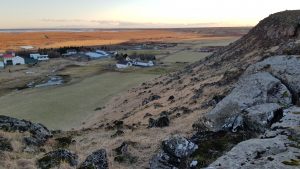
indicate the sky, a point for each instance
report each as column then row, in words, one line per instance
column 17, row 14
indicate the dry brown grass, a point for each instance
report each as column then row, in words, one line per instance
column 58, row 39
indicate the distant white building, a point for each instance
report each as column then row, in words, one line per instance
column 18, row 60
column 39, row 57
column 123, row 64
column 143, row 64
column 11, row 59
column 70, row 52
column 97, row 54
column 26, row 47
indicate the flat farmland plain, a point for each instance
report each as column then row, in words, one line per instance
column 59, row 39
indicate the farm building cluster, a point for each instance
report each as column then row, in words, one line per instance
column 10, row 58
column 135, row 60
column 27, row 55
column 30, row 55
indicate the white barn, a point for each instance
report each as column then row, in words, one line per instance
column 98, row 54
column 18, row 60
column 39, row 57
column 123, row 64
column 11, row 59
column 143, row 64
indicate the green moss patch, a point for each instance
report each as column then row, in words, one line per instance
column 292, row 162
column 212, row 145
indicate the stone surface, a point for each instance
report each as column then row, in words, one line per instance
column 55, row 158
column 162, row 121
column 278, row 148
column 258, row 153
column 39, row 132
column 285, row 68
column 174, row 154
column 291, row 119
column 251, row 90
column 261, row 117
column 97, row 160
column 178, row 146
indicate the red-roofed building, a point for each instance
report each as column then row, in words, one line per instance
column 12, row 59
column 8, row 56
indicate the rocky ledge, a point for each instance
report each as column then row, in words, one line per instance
column 257, row 124
column 39, row 133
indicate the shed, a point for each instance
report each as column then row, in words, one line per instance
column 39, row 57
column 123, row 64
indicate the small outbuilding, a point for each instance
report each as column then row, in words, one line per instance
column 123, row 64
column 39, row 57
column 11, row 59
column 143, row 64
column 18, row 60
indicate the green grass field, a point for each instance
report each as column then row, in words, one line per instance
column 64, row 107
column 93, row 85
column 185, row 56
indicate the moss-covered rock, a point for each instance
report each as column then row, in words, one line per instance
column 55, row 158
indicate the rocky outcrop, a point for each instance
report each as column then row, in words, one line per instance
column 97, row 160
column 252, row 90
column 285, row 68
column 275, row 31
column 261, row 103
column 150, row 99
column 55, row 158
column 174, row 154
column 261, row 117
column 39, row 132
column 162, row 121
column 278, row 148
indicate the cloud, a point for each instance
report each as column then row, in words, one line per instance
column 121, row 24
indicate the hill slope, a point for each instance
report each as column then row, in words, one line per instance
column 132, row 126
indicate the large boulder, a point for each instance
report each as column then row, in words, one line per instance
column 291, row 119
column 251, row 90
column 55, row 158
column 257, row 153
column 178, row 146
column 277, row 148
column 261, row 117
column 162, row 121
column 174, row 154
column 39, row 133
column 97, row 160
column 285, row 68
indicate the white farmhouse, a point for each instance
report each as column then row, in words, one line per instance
column 70, row 52
column 11, row 59
column 98, row 54
column 39, row 57
column 18, row 60
column 123, row 64
column 143, row 64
